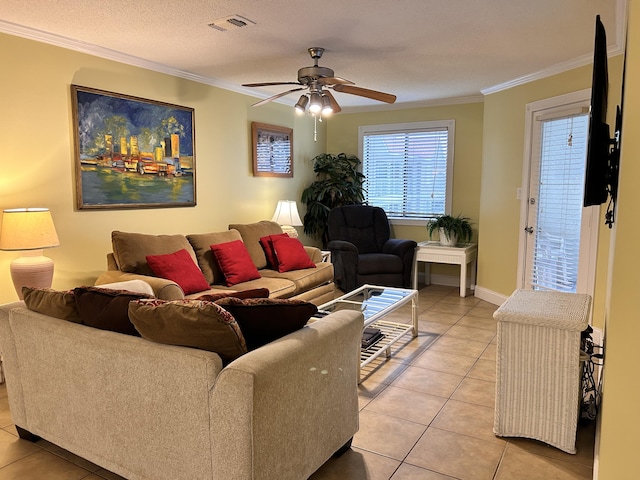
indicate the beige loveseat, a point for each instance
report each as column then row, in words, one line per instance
column 128, row 262
column 149, row 411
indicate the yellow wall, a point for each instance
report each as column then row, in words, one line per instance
column 38, row 162
column 502, row 159
column 620, row 421
column 37, row 170
column 342, row 136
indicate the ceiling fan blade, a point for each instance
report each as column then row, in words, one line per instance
column 365, row 92
column 267, row 84
column 332, row 99
column 267, row 100
column 334, row 81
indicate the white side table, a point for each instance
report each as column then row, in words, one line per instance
column 432, row 252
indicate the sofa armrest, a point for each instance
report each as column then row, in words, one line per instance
column 162, row 288
column 300, row 394
column 315, row 254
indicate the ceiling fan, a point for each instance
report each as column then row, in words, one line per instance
column 318, row 80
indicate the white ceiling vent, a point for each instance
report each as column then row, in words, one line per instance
column 231, row 22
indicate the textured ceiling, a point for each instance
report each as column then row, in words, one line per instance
column 424, row 51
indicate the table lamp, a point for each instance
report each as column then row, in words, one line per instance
column 29, row 230
column 287, row 216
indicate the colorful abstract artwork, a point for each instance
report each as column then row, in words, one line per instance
column 131, row 152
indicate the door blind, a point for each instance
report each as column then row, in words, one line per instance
column 563, row 146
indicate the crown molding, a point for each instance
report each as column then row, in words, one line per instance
column 616, row 49
column 91, row 49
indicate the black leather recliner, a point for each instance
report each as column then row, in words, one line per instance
column 362, row 252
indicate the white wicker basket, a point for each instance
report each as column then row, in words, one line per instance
column 538, row 381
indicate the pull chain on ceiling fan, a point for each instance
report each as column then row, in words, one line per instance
column 318, row 80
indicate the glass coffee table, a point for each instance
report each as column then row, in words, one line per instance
column 376, row 303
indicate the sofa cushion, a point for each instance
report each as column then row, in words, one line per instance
column 131, row 249
column 278, row 286
column 305, row 279
column 252, row 293
column 267, row 246
column 290, row 254
column 235, row 262
column 201, row 244
column 58, row 304
column 179, row 267
column 263, row 320
column 106, row 309
column 190, row 323
column 252, row 233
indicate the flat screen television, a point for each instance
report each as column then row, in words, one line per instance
column 601, row 175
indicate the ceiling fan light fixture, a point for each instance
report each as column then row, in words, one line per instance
column 302, row 104
column 327, row 109
column 315, row 104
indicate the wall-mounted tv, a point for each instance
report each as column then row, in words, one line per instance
column 601, row 175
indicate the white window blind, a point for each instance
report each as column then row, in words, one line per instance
column 561, row 183
column 408, row 168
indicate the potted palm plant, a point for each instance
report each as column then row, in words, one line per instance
column 451, row 229
column 339, row 182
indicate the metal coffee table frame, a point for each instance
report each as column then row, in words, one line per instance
column 376, row 302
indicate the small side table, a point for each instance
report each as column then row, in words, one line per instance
column 432, row 252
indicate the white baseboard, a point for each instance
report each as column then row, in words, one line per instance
column 447, row 280
column 480, row 292
column 490, row 296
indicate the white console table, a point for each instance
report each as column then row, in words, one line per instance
column 433, row 252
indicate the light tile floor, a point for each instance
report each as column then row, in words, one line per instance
column 426, row 413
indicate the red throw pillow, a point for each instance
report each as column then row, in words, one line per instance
column 267, row 246
column 291, row 254
column 179, row 267
column 235, row 262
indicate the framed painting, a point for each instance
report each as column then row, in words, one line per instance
column 272, row 150
column 131, row 152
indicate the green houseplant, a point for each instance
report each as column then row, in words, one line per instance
column 339, row 182
column 451, row 229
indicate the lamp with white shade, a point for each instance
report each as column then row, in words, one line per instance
column 287, row 216
column 29, row 230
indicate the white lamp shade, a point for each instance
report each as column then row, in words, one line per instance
column 287, row 216
column 27, row 229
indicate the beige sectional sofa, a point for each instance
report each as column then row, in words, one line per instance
column 149, row 411
column 128, row 262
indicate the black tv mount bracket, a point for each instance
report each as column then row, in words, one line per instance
column 613, row 168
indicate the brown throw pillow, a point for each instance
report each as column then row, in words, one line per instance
column 106, row 309
column 58, row 304
column 263, row 320
column 189, row 323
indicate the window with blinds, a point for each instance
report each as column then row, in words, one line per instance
column 408, row 168
column 563, row 145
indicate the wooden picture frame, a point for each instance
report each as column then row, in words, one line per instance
column 272, row 150
column 131, row 152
